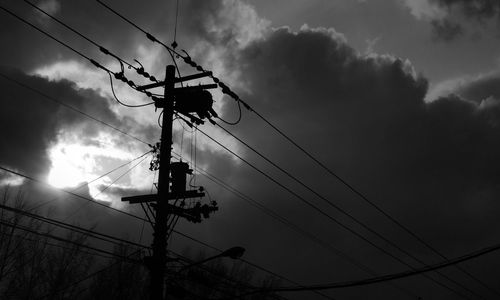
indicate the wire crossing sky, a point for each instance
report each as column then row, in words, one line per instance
column 382, row 116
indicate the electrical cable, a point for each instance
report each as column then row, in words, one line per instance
column 140, row 71
column 93, row 180
column 394, row 276
column 239, row 116
column 17, row 226
column 148, row 35
column 62, row 224
column 174, row 44
column 227, row 90
column 347, row 214
column 247, row 262
column 218, row 274
column 107, row 187
column 122, row 103
column 88, row 276
column 72, row 108
column 95, row 63
column 291, row 225
column 322, row 212
column 70, row 193
column 55, row 39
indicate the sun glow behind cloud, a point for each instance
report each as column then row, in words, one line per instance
column 74, row 164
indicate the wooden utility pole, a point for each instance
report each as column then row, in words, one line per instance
column 186, row 101
column 159, row 259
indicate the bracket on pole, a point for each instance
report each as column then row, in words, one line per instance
column 176, row 80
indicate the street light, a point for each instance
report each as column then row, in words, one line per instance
column 234, row 253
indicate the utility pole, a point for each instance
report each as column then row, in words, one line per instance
column 161, row 226
column 172, row 176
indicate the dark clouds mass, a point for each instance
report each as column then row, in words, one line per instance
column 31, row 122
column 434, row 166
column 479, row 11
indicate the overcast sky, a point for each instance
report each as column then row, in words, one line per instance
column 400, row 98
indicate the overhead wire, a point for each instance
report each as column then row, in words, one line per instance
column 136, row 217
column 265, row 270
column 373, row 280
column 94, row 180
column 75, row 228
column 140, row 71
column 44, row 95
column 95, row 273
column 228, row 91
column 123, row 103
column 24, row 228
column 95, row 63
column 108, row 186
column 92, row 61
column 338, row 208
column 69, row 192
column 214, row 272
column 322, row 212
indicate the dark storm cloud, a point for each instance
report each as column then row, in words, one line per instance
column 433, row 165
column 481, row 88
column 480, row 11
column 30, row 123
column 446, row 30
column 474, row 9
column 87, row 17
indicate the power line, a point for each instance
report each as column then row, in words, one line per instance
column 290, row 224
column 72, row 108
column 317, row 209
column 140, row 71
column 55, row 245
column 92, row 61
column 90, row 275
column 61, row 224
column 71, row 193
column 93, row 180
column 140, row 218
column 338, row 208
column 24, row 228
column 245, row 261
column 95, row 63
column 226, row 90
column 109, row 185
column 55, row 39
column 126, row 134
column 394, row 276
column 214, row 272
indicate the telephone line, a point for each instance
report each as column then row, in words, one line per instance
column 55, row 39
column 71, row 193
column 136, row 217
column 247, row 262
column 61, row 224
column 227, row 90
column 101, row 48
column 72, row 108
column 394, row 276
column 341, row 210
column 24, row 228
column 317, row 209
column 109, row 185
column 291, row 225
column 95, row 63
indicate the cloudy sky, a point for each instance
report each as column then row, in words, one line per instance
column 399, row 98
